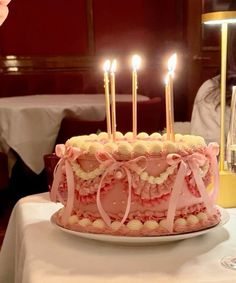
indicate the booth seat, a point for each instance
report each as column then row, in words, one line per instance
column 4, row 175
column 150, row 118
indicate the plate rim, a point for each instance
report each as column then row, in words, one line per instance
column 147, row 239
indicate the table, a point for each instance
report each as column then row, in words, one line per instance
column 29, row 124
column 34, row 251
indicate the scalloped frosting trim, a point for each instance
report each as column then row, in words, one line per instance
column 143, row 144
column 144, row 176
column 191, row 222
column 79, row 172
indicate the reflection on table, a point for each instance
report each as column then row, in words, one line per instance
column 29, row 124
column 35, row 251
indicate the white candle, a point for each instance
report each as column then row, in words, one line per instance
column 171, row 68
column 106, row 68
column 168, row 109
column 136, row 61
column 113, row 99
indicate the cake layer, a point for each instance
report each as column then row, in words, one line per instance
column 146, row 179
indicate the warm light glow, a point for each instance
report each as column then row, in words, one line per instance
column 166, row 79
column 220, row 22
column 113, row 66
column 12, row 69
column 219, row 18
column 136, row 62
column 106, row 66
column 10, row 57
column 172, row 63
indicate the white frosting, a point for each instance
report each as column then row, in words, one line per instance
column 129, row 135
column 124, row 148
column 103, row 136
column 140, row 147
column 99, row 224
column 73, row 219
column 143, row 135
column 180, row 222
column 144, row 144
column 192, row 219
column 85, row 222
column 137, row 225
column 155, row 136
column 155, row 147
column 151, row 224
column 111, row 147
column 115, row 225
column 134, row 225
column 202, row 216
column 163, row 224
column 150, row 145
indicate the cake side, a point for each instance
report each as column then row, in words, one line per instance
column 145, row 187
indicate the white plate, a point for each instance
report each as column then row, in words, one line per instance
column 145, row 240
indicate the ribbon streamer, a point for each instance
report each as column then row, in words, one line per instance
column 112, row 165
column 66, row 154
column 192, row 162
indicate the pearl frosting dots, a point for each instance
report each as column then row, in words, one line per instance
column 126, row 145
column 151, row 224
column 134, row 225
column 131, row 179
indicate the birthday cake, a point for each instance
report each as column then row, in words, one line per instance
column 149, row 186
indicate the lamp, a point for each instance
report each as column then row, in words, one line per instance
column 227, row 193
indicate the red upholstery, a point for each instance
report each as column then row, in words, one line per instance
column 50, row 161
column 72, row 126
column 4, row 176
column 150, row 118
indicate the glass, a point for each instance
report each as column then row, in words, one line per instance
column 231, row 139
column 230, row 261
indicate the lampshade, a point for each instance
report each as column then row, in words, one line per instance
column 215, row 18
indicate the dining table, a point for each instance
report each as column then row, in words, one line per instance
column 36, row 250
column 29, row 125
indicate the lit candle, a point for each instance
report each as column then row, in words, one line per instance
column 106, row 68
column 113, row 99
column 136, row 60
column 171, row 67
column 168, row 109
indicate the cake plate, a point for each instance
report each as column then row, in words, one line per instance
column 125, row 240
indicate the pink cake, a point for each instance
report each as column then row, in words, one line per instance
column 144, row 187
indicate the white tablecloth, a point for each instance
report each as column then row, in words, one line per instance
column 30, row 124
column 34, row 251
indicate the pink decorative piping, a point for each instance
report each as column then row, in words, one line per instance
column 125, row 166
column 192, row 162
column 66, row 155
column 213, row 151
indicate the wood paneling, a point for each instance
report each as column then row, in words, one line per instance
column 59, row 38
column 54, row 27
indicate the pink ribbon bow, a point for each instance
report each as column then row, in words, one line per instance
column 124, row 166
column 66, row 154
column 3, row 10
column 187, row 164
column 213, row 152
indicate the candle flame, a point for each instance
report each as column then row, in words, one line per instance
column 106, row 65
column 136, row 62
column 113, row 66
column 172, row 63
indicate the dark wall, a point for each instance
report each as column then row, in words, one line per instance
column 60, row 45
